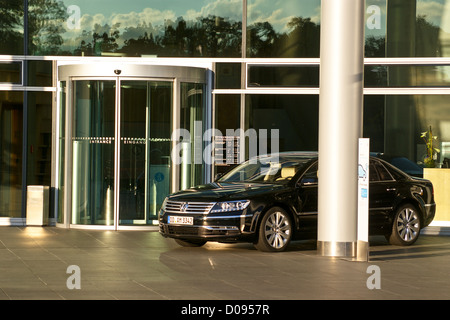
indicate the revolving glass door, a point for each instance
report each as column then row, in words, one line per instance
column 121, row 142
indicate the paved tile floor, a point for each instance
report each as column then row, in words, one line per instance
column 123, row 265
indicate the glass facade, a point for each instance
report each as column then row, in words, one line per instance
column 11, row 156
column 265, row 59
column 140, row 28
column 213, row 28
column 283, row 29
column 295, row 116
column 11, row 27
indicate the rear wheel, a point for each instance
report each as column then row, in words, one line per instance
column 406, row 226
column 190, row 243
column 275, row 231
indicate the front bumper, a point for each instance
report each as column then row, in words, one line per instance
column 234, row 226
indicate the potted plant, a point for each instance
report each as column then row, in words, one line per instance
column 431, row 157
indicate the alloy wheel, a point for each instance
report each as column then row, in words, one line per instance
column 408, row 224
column 275, row 232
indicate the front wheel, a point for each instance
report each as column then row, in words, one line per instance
column 406, row 226
column 275, row 231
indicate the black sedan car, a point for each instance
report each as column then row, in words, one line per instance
column 271, row 200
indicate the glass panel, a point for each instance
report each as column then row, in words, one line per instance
column 62, row 150
column 191, row 119
column 39, row 73
column 373, row 122
column 93, row 152
column 11, row 134
column 432, row 28
column 398, row 28
column 295, row 116
column 144, row 150
column 11, row 27
column 401, row 120
column 133, row 152
column 11, row 72
column 228, row 75
column 283, row 76
column 46, row 26
column 145, row 27
column 227, row 117
column 406, row 76
column 375, row 31
column 283, row 28
column 228, row 111
column 39, row 140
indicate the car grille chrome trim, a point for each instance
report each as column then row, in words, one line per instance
column 180, row 230
column 183, row 207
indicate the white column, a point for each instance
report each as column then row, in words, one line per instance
column 340, row 124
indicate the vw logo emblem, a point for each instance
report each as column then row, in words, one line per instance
column 184, row 206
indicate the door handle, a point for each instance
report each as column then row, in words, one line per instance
column 391, row 189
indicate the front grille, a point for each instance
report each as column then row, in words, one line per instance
column 188, row 207
column 180, row 230
column 198, row 231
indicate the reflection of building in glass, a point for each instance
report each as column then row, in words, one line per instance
column 264, row 58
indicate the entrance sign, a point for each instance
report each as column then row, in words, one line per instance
column 363, row 199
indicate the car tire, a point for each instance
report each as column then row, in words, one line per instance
column 275, row 231
column 190, row 243
column 406, row 226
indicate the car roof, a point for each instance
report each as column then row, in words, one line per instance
column 296, row 154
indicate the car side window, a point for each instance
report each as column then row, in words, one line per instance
column 396, row 175
column 310, row 176
column 373, row 174
column 382, row 171
column 378, row 172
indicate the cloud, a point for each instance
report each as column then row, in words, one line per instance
column 231, row 9
column 432, row 10
column 147, row 15
column 279, row 12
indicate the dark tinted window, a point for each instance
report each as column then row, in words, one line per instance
column 311, row 175
column 11, row 72
column 228, row 76
column 373, row 175
column 377, row 172
column 283, row 76
column 295, row 116
column 39, row 73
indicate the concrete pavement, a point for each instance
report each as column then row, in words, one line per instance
column 35, row 263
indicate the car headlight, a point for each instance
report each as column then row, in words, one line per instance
column 228, row 206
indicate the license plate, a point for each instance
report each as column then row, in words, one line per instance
column 181, row 220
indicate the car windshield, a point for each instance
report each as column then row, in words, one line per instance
column 266, row 169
